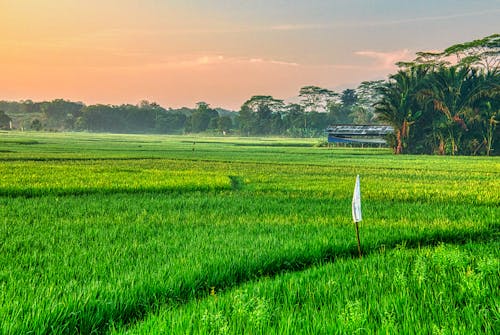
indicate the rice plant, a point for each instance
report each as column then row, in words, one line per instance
column 107, row 232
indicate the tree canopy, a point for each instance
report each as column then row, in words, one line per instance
column 454, row 107
column 445, row 102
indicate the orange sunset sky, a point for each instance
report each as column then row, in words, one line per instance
column 177, row 53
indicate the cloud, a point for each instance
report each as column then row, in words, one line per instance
column 386, row 60
column 437, row 17
column 339, row 24
column 292, row 27
column 268, row 61
column 208, row 60
column 198, row 61
column 194, row 62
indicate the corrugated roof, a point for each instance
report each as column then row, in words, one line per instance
column 359, row 130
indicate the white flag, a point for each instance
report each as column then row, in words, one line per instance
column 356, row 202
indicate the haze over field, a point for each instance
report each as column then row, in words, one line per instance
column 180, row 52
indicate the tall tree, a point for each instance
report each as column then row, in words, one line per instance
column 349, row 98
column 399, row 105
column 484, row 116
column 61, row 112
column 338, row 114
column 484, row 52
column 293, row 120
column 256, row 114
column 246, row 120
column 367, row 95
column 453, row 91
column 256, row 101
column 224, row 123
column 203, row 117
column 316, row 99
column 169, row 122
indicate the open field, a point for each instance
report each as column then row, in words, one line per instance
column 145, row 234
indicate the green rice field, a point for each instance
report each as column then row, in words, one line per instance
column 150, row 234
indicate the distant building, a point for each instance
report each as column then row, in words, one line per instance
column 350, row 133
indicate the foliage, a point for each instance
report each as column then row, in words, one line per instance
column 319, row 107
column 36, row 125
column 454, row 108
column 5, row 120
column 442, row 102
column 398, row 105
column 203, row 118
column 145, row 117
column 316, row 99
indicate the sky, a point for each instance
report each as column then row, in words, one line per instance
column 180, row 52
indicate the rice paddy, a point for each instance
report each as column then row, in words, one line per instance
column 157, row 234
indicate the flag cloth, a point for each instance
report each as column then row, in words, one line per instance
column 356, row 202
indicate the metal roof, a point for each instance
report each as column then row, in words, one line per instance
column 333, row 139
column 359, row 130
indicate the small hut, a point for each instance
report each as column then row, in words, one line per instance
column 351, row 133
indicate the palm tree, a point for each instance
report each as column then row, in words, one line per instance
column 453, row 91
column 485, row 114
column 399, row 105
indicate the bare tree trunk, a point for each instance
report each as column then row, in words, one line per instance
column 399, row 147
column 441, row 146
column 490, row 136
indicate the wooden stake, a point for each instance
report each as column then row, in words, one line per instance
column 357, row 236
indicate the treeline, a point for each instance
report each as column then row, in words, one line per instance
column 260, row 115
column 446, row 102
column 317, row 108
column 146, row 117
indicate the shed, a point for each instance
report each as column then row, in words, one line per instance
column 350, row 133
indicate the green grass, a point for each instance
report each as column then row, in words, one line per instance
column 144, row 234
column 442, row 289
